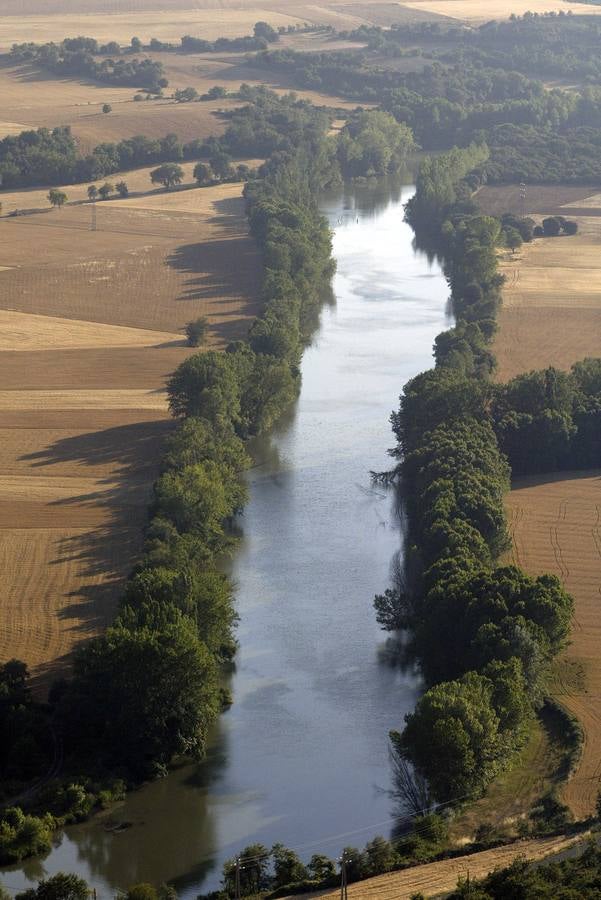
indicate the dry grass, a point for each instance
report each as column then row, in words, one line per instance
column 22, row 332
column 440, row 877
column 510, row 797
column 477, row 12
column 92, row 328
column 165, row 24
column 555, row 524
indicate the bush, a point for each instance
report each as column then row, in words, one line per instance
column 196, row 331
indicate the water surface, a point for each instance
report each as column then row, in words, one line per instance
column 302, row 755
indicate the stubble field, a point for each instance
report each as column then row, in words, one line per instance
column 92, row 328
column 551, row 315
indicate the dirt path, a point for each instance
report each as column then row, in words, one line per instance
column 436, row 878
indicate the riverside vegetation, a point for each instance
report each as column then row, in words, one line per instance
column 151, row 686
column 125, row 712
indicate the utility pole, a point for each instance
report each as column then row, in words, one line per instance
column 343, row 881
column 523, row 198
column 238, row 894
column 93, row 225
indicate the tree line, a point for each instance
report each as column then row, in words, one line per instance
column 150, row 687
column 484, row 635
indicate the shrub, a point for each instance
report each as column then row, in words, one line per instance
column 196, row 331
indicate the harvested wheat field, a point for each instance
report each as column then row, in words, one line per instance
column 91, row 328
column 551, row 312
column 551, row 315
column 555, row 523
column 478, row 12
column 440, row 877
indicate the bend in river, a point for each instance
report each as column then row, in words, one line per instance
column 302, row 756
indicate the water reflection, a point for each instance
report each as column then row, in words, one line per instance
column 302, row 755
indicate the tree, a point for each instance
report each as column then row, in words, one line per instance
column 287, row 866
column 138, row 697
column 168, row 175
column 452, row 737
column 142, row 891
column 321, row 867
column 203, row 174
column 264, row 30
column 92, row 192
column 221, row 164
column 105, row 190
column 107, row 108
column 513, row 239
column 185, row 95
column 57, row 198
column 196, row 331
column 206, row 385
column 136, row 45
column 551, row 226
column 59, row 887
column 122, row 188
column 570, row 226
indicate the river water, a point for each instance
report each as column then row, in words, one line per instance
column 302, row 756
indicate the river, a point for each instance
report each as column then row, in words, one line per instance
column 302, row 755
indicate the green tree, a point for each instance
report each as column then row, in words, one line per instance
column 206, row 385
column 185, row 95
column 551, row 226
column 92, row 192
column 194, row 500
column 452, row 738
column 287, row 866
column 513, row 239
column 321, row 867
column 203, row 174
column 57, row 198
column 136, row 45
column 169, row 175
column 142, row 696
column 263, row 30
column 196, row 331
column 105, row 190
column 122, row 188
column 142, row 891
column 107, row 108
column 58, row 887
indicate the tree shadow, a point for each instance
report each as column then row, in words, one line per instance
column 104, row 548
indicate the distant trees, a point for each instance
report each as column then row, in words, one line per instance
column 373, row 143
column 513, row 239
column 107, row 108
column 263, row 30
column 57, row 198
column 169, row 175
column 551, row 226
column 92, row 192
column 122, row 188
column 105, row 190
column 185, row 95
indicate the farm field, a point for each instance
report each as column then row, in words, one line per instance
column 551, row 315
column 555, row 523
column 471, row 11
column 440, row 877
column 32, row 98
column 551, row 312
column 92, row 326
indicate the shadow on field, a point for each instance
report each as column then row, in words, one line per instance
column 225, row 274
column 107, row 523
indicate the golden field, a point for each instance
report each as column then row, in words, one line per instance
column 91, row 328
